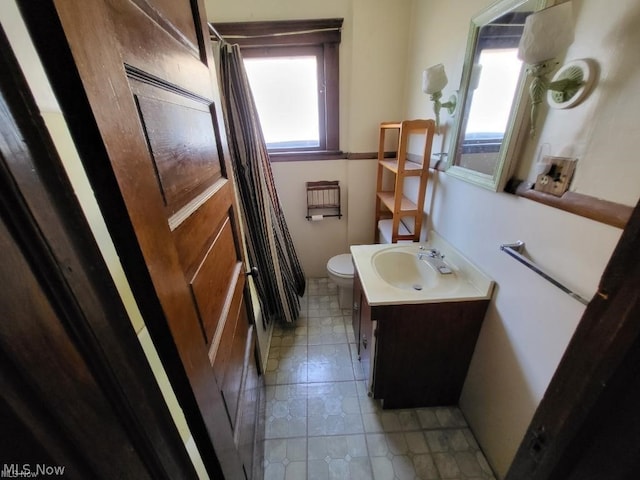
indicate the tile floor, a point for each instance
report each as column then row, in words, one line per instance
column 320, row 423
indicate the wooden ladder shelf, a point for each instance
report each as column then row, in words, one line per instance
column 393, row 204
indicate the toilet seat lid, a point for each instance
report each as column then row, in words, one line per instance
column 341, row 265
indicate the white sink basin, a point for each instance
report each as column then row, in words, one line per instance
column 393, row 274
column 402, row 269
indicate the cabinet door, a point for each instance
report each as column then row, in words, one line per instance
column 367, row 342
column 357, row 304
column 423, row 351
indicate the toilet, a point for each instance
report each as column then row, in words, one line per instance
column 340, row 270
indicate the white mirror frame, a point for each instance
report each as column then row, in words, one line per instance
column 517, row 131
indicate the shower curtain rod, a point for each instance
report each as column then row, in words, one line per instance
column 284, row 34
column 217, row 34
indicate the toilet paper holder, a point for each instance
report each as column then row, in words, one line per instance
column 323, row 200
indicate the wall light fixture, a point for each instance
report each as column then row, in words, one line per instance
column 434, row 79
column 547, row 33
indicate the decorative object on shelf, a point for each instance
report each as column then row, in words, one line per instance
column 581, row 74
column 323, row 200
column 434, row 79
column 556, row 176
column 547, row 33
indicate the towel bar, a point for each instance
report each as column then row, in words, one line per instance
column 515, row 251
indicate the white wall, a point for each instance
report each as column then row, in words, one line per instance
column 530, row 322
column 378, row 69
column 317, row 242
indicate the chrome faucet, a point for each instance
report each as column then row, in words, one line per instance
column 435, row 259
column 431, row 253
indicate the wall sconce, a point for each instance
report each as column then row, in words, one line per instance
column 547, row 33
column 434, row 79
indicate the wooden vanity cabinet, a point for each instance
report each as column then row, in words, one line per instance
column 416, row 355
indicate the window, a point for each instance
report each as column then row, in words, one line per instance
column 293, row 72
column 285, row 89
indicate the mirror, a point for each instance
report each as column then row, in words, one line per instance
column 488, row 128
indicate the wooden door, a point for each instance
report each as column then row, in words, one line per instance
column 37, row 357
column 136, row 81
column 76, row 392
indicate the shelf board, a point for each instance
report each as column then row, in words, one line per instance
column 411, row 169
column 407, row 207
column 610, row 213
column 390, row 124
column 411, row 125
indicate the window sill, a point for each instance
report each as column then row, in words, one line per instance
column 306, row 156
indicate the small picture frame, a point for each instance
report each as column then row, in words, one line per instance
column 556, row 176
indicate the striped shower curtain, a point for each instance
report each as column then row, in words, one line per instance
column 280, row 280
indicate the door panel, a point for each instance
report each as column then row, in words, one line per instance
column 185, row 159
column 194, row 235
column 229, row 363
column 159, row 48
column 163, row 185
column 227, row 355
column 232, row 385
column 175, row 16
column 209, row 293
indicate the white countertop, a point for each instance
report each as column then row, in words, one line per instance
column 467, row 282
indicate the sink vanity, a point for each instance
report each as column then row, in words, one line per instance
column 417, row 313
